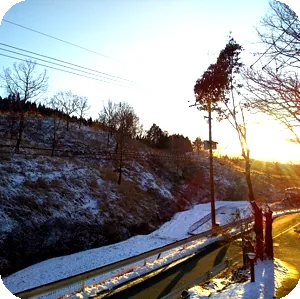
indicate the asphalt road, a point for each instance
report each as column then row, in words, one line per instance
column 287, row 249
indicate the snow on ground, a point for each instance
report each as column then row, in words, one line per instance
column 65, row 266
column 150, row 266
column 4, row 291
column 146, row 179
column 268, row 277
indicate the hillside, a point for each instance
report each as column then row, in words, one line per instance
column 52, row 206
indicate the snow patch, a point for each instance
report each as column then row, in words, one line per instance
column 268, row 277
column 65, row 266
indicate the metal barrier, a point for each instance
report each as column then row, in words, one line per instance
column 204, row 277
column 76, row 282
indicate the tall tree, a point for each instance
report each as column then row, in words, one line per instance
column 158, row 138
column 82, row 108
column 108, row 117
column 25, row 83
column 222, row 82
column 208, row 92
column 154, row 134
column 229, row 63
column 180, row 144
column 197, row 144
column 127, row 125
column 57, row 123
column 127, row 120
column 68, row 103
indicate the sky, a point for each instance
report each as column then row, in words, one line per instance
column 163, row 46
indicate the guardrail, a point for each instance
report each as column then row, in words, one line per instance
column 281, row 212
column 79, row 279
column 202, row 278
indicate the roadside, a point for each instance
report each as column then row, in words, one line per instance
column 276, row 278
column 286, row 248
column 70, row 265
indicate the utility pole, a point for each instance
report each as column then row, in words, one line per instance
column 211, row 171
column 211, row 168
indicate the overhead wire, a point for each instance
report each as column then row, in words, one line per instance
column 39, row 59
column 55, row 68
column 69, row 63
column 61, row 40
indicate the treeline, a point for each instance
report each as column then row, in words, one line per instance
column 158, row 138
column 13, row 104
column 24, row 86
column 113, row 118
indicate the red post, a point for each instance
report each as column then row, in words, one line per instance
column 268, row 234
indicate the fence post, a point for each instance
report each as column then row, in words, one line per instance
column 82, row 285
column 208, row 275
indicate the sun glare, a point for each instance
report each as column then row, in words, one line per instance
column 267, row 141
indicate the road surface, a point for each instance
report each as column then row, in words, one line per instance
column 287, row 249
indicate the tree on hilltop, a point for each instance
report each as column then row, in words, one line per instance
column 25, row 83
column 197, row 145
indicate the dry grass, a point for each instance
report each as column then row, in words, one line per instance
column 40, row 183
column 103, row 206
column 108, row 175
column 56, row 184
column 93, row 184
column 129, row 188
column 76, row 181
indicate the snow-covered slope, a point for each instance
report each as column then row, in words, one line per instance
column 52, row 206
column 175, row 229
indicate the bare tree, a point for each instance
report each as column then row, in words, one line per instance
column 280, row 33
column 68, row 103
column 140, row 132
column 108, row 117
column 275, row 90
column 13, row 114
column 276, row 94
column 57, row 123
column 127, row 120
column 24, row 82
column 127, row 126
column 82, row 108
column 234, row 113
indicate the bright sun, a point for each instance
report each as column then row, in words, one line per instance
column 267, row 141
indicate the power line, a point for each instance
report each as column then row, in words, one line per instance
column 51, row 67
column 60, row 65
column 55, row 59
column 61, row 40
